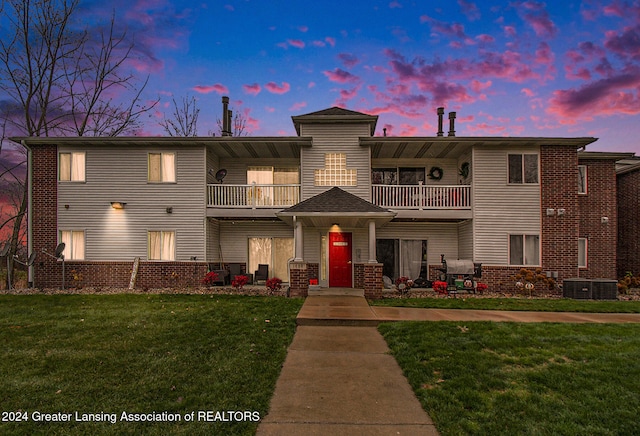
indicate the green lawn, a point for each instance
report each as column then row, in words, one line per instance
column 527, row 379
column 141, row 354
column 535, row 304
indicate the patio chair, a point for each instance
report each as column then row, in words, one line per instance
column 262, row 274
column 235, row 269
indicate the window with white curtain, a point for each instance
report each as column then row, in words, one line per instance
column 162, row 245
column 162, row 167
column 73, row 241
column 524, row 249
column 402, row 257
column 72, row 167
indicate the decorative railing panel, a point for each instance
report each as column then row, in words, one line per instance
column 422, row 196
column 252, row 196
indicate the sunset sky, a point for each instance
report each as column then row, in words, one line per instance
column 509, row 68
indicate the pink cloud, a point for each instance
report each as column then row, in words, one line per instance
column 296, row 43
column 317, row 43
column 311, row 85
column 298, row 106
column 206, row 89
column 487, row 39
column 448, row 29
column 478, row 86
column 269, row 109
column 274, row 88
column 349, row 60
column 394, row 5
column 537, row 17
column 253, row 89
column 617, row 94
column 625, row 44
column 470, row 10
column 509, row 31
column 341, row 76
column 331, row 41
column 528, row 92
column 303, row 29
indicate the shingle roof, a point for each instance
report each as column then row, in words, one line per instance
column 334, row 111
column 335, row 200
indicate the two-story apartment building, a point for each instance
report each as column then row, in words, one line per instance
column 336, row 205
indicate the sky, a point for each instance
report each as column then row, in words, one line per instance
column 508, row 68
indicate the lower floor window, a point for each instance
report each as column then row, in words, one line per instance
column 274, row 252
column 162, row 245
column 583, row 245
column 73, row 241
column 402, row 257
column 524, row 249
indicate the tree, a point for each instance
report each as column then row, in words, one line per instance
column 185, row 119
column 238, row 125
column 57, row 80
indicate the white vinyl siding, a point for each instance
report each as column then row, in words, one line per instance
column 122, row 234
column 73, row 241
column 501, row 208
column 72, row 167
column 335, row 138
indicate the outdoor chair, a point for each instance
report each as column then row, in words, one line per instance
column 262, row 274
column 235, row 269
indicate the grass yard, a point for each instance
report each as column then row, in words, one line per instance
column 141, row 354
column 534, row 304
column 527, row 379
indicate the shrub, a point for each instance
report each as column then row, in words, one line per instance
column 238, row 282
column 274, row 284
column 210, row 278
column 481, row 287
column 440, row 287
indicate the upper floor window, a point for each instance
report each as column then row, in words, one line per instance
column 582, row 179
column 73, row 244
column 335, row 172
column 523, row 168
column 72, row 167
column 162, row 245
column 162, row 167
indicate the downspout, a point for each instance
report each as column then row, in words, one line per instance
column 31, row 275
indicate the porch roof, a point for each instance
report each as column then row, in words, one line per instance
column 336, row 206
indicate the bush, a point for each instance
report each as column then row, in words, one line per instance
column 440, row 287
column 238, row 282
column 629, row 281
column 210, row 278
column 274, row 284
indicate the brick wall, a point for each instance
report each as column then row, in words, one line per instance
column 599, row 201
column 558, row 190
column 44, row 207
column 628, row 252
column 298, row 280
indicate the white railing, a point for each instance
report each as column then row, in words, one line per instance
column 422, row 196
column 252, row 196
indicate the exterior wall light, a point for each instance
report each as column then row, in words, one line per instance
column 118, row 204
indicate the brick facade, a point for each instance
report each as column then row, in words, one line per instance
column 298, row 280
column 368, row 276
column 598, row 203
column 558, row 191
column 628, row 194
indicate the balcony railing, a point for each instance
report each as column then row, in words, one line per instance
column 422, row 196
column 252, row 196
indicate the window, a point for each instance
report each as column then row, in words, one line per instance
column 523, row 168
column 402, row 257
column 524, row 249
column 274, row 252
column 411, row 176
column 335, row 172
column 384, row 176
column 162, row 245
column 583, row 246
column 72, row 167
column 162, row 167
column 582, row 179
column 73, row 241
column 273, row 195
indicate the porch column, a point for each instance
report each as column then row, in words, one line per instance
column 372, row 242
column 298, row 256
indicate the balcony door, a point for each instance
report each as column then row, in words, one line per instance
column 269, row 190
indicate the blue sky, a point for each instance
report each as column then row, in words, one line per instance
column 508, row 68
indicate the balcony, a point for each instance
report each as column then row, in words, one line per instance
column 422, row 197
column 252, row 196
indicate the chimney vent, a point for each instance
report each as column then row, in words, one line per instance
column 226, row 131
column 384, row 130
column 452, row 124
column 440, row 115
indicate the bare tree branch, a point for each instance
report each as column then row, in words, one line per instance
column 184, row 121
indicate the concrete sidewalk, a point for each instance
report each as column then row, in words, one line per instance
column 339, row 379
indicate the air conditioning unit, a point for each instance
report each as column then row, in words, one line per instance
column 604, row 289
column 579, row 289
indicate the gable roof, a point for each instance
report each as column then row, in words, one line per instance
column 336, row 204
column 335, row 115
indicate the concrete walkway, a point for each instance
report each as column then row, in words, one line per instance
column 339, row 378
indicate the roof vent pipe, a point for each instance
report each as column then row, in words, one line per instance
column 452, row 124
column 440, row 115
column 225, row 116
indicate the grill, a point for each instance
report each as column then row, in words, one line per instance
column 460, row 274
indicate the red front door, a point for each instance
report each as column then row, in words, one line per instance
column 340, row 260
